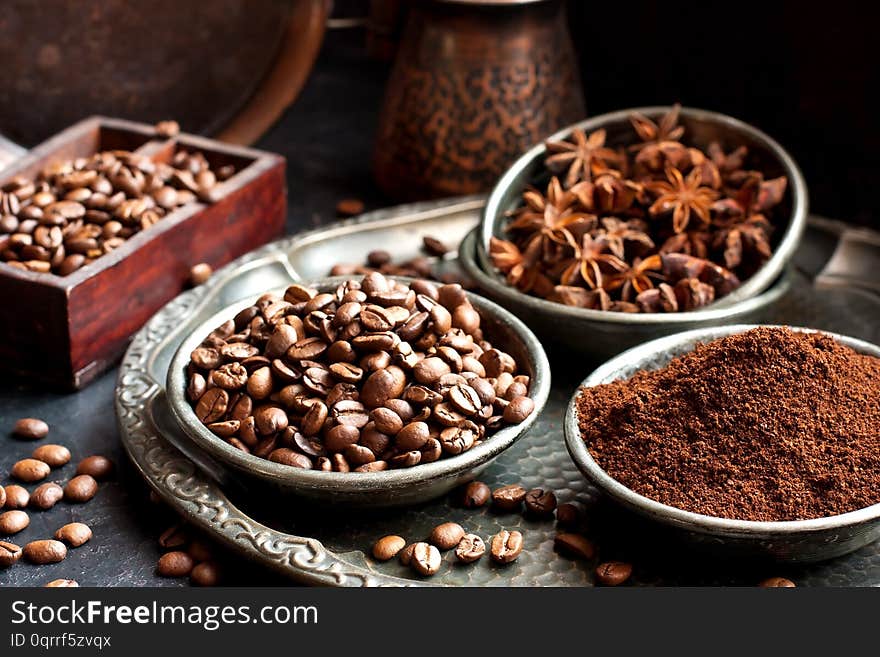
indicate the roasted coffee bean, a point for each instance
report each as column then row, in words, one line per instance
column 17, row 497
column 12, row 522
column 270, row 420
column 425, row 559
column 508, row 498
column 265, row 447
column 173, row 538
column 30, row 470
column 773, row 583
column 574, row 545
column 383, row 385
column 212, row 405
column 569, row 516
column 506, row 546
column 475, row 494
column 375, row 466
column 613, row 573
column 431, row 451
column 428, row 370
column 518, row 409
column 446, row 536
column 358, row 455
column 238, row 351
column 62, row 584
column 386, row 420
column 314, row 419
column 175, row 564
column 470, row 548
column 446, row 415
column 231, row 376
column 44, row 552
column 46, row 496
column 196, row 388
column 433, row 246
column 465, row 399
column 200, row 273
column 413, row 436
column 53, row 455
column 375, row 361
column 80, row 489
column 287, row 456
column 340, row 437
column 31, row 428
column 226, row 429
column 207, row 573
column 540, row 502
column 259, row 384
column 97, row 467
column 387, row 547
column 2, row 497
column 351, row 413
column 9, row 554
column 74, row 534
column 455, row 440
column 199, row 550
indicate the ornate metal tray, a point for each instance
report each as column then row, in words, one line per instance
column 323, row 545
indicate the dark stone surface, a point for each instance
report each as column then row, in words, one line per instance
column 327, row 139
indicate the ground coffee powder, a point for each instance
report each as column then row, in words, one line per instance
column 765, row 425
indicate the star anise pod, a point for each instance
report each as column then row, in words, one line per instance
column 637, row 278
column 727, row 163
column 683, row 196
column 590, row 258
column 623, row 234
column 691, row 293
column 504, row 255
column 608, row 193
column 691, row 242
column 677, row 266
column 658, row 300
column 709, row 173
column 747, row 240
column 578, row 297
column 578, row 156
column 546, row 218
column 661, row 144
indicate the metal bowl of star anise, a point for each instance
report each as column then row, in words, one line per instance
column 660, row 217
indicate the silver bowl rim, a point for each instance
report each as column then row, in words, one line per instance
column 753, row 285
column 365, row 482
column 680, row 518
column 778, row 288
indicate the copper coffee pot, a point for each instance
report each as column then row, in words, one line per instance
column 474, row 84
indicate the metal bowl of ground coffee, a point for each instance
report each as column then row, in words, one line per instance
column 388, row 488
column 809, row 539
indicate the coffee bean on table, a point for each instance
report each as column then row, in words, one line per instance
column 74, row 534
column 446, row 536
column 9, row 553
column 475, row 494
column 30, row 470
column 206, row 573
column 426, row 559
column 508, row 498
column 506, row 546
column 540, row 502
column 2, row 497
column 53, row 455
column 388, row 547
column 31, row 428
column 613, row 573
column 97, row 467
column 173, row 538
column 574, row 545
column 406, row 554
column 45, row 496
column 200, row 551
column 17, row 496
column 80, row 489
column 175, row 564
column 433, row 246
column 518, row 409
column 200, row 273
column 777, row 583
column 470, row 548
column 62, row 584
column 44, row 551
column 569, row 516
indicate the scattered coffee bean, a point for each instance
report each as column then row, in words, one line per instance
column 506, row 546
column 46, row 496
column 17, row 496
column 777, row 583
column 200, row 273
column 475, row 494
column 508, row 498
column 9, row 553
column 80, row 489
column 470, row 548
column 12, row 522
column 30, row 470
column 53, row 455
column 446, row 536
column 518, row 410
column 569, row 516
column 378, row 258
column 74, row 534
column 2, row 497
column 31, row 428
column 574, row 545
column 433, row 246
column 540, row 502
column 62, row 584
column 388, row 547
column 97, row 467
column 175, row 564
column 348, row 207
column 406, row 554
column 426, row 559
column 174, row 538
column 44, row 551
column 206, row 573
column 613, row 573
column 200, row 551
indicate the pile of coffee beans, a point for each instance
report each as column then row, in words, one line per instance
column 15, row 499
column 77, row 210
column 375, row 374
column 185, row 555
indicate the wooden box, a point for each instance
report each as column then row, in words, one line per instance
column 65, row 330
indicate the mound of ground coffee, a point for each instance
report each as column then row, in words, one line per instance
column 765, row 425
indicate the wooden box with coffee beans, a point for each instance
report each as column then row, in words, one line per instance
column 100, row 226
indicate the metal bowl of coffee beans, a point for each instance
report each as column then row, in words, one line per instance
column 367, row 392
column 742, row 441
column 631, row 225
